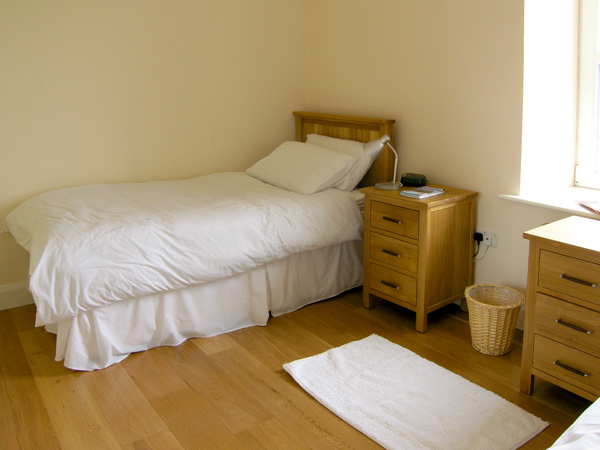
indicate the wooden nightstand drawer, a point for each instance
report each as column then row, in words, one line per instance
column 394, row 252
column 399, row 286
column 567, row 364
column 571, row 276
column 570, row 324
column 395, row 219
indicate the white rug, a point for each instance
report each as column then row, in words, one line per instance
column 403, row 401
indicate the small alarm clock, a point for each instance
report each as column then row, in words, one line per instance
column 413, row 179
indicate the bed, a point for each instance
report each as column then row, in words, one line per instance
column 584, row 433
column 117, row 269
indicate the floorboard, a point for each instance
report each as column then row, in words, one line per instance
column 230, row 391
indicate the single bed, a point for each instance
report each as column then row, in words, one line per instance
column 147, row 278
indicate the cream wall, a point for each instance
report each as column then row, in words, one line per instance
column 451, row 74
column 113, row 91
column 127, row 91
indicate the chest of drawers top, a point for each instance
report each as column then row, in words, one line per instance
column 573, row 234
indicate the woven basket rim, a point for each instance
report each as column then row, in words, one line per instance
column 487, row 305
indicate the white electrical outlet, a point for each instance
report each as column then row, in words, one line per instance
column 490, row 238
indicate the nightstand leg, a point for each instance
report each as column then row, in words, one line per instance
column 421, row 325
column 367, row 300
column 526, row 381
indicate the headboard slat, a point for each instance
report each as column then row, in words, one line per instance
column 362, row 129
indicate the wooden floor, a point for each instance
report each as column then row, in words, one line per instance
column 230, row 391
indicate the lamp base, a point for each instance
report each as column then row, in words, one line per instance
column 388, row 185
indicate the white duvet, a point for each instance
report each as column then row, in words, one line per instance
column 93, row 245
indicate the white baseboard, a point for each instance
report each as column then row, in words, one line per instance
column 13, row 295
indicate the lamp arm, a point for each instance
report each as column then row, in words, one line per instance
column 395, row 161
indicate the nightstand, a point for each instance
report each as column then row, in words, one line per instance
column 418, row 253
column 561, row 341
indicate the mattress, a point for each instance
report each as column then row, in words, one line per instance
column 359, row 197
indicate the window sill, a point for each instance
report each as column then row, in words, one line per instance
column 564, row 200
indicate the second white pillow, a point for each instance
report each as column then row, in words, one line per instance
column 303, row 168
column 349, row 147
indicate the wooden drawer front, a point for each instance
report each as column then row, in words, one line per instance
column 573, row 325
column 395, row 219
column 570, row 276
column 394, row 284
column 548, row 354
column 394, row 252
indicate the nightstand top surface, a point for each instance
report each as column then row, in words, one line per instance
column 450, row 195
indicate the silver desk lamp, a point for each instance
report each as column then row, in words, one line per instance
column 376, row 146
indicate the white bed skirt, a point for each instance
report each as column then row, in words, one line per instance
column 107, row 335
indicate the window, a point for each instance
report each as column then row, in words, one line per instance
column 551, row 107
column 550, row 90
column 588, row 150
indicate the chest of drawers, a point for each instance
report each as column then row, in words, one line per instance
column 418, row 253
column 561, row 341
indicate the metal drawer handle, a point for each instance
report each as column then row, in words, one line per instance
column 391, row 219
column 573, row 327
column 391, row 253
column 570, row 369
column 577, row 280
column 389, row 284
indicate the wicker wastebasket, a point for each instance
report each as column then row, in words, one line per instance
column 493, row 314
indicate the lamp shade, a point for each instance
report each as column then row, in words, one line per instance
column 376, row 145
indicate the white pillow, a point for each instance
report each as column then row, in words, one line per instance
column 302, row 168
column 350, row 147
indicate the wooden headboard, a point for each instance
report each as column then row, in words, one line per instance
column 362, row 129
